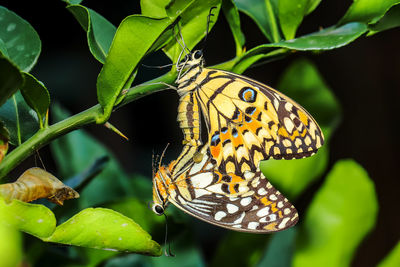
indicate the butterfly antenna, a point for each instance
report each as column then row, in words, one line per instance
column 162, row 156
column 157, row 67
column 210, row 14
column 167, row 253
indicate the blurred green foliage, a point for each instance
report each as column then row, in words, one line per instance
column 341, row 214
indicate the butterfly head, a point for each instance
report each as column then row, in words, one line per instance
column 192, row 60
column 161, row 182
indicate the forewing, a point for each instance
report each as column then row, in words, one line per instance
column 248, row 122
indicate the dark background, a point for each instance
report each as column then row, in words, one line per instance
column 364, row 76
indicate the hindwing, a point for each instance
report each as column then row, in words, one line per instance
column 247, row 203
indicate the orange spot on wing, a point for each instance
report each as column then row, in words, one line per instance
column 271, row 226
column 280, row 214
column 282, row 132
column 265, row 201
column 303, row 117
column 215, row 150
column 273, row 207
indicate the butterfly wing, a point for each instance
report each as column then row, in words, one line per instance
column 247, row 203
column 249, row 121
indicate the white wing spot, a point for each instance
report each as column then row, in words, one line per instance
column 288, row 124
column 273, row 197
column 219, row 215
column 231, row 208
column 283, row 223
column 240, row 219
column 253, row 225
column 245, row 201
column 202, row 180
column 263, row 212
column 286, row 211
column 262, row 191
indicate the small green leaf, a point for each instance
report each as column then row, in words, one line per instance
column 265, row 15
column 367, row 11
column 154, row 8
column 36, row 96
column 232, row 16
column 21, row 40
column 303, row 83
column 392, row 259
column 20, row 120
column 100, row 32
column 33, row 219
column 133, row 40
column 390, row 20
column 105, row 229
column 193, row 24
column 291, row 15
column 341, row 214
column 327, row 39
column 10, row 79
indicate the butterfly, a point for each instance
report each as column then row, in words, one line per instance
column 220, row 181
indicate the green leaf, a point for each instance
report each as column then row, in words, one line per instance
column 36, row 96
column 244, row 249
column 265, row 15
column 341, row 214
column 193, row 24
column 390, row 20
column 133, row 40
column 280, row 249
column 33, row 219
column 139, row 212
column 303, row 83
column 75, row 152
column 21, row 41
column 392, row 259
column 20, row 120
column 367, row 11
column 11, row 251
column 105, row 229
column 291, row 15
column 10, row 79
column 154, row 8
column 232, row 16
column 327, row 39
column 100, row 32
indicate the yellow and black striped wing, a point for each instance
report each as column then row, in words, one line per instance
column 248, row 121
column 246, row 202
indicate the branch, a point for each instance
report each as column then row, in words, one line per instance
column 48, row 134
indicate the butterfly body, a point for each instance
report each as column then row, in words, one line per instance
column 220, row 182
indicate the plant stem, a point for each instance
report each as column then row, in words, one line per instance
column 47, row 134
